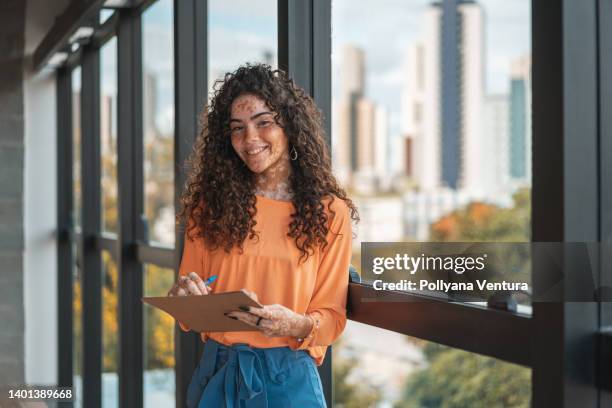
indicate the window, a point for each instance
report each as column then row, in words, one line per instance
column 76, row 147
column 377, row 367
column 77, row 303
column 158, row 341
column 431, row 136
column 110, row 331
column 158, row 121
column 239, row 33
column 428, row 123
column 108, row 135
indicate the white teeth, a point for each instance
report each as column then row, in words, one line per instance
column 256, row 151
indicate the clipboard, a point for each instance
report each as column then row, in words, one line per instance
column 205, row 313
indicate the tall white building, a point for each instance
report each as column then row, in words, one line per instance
column 472, row 54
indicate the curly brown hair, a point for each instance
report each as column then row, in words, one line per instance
column 219, row 200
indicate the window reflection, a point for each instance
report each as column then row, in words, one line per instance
column 158, row 120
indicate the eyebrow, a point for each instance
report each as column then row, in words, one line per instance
column 255, row 116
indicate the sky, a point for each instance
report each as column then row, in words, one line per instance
column 241, row 30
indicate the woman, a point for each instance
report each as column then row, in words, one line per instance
column 264, row 213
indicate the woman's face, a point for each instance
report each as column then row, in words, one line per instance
column 257, row 139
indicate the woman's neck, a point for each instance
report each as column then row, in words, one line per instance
column 274, row 182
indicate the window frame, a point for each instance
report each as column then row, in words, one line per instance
column 567, row 114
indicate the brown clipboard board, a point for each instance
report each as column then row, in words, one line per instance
column 206, row 313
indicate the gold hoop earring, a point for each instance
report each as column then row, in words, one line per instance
column 294, row 154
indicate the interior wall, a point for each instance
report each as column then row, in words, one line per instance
column 40, row 201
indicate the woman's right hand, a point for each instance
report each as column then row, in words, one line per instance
column 191, row 284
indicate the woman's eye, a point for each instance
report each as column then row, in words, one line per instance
column 264, row 123
column 236, row 129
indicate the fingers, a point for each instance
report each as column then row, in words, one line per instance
column 176, row 290
column 259, row 311
column 245, row 317
column 199, row 283
column 189, row 286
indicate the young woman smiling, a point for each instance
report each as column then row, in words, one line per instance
column 264, row 213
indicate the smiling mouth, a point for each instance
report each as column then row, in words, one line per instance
column 257, row 151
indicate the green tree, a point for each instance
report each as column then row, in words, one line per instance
column 455, row 378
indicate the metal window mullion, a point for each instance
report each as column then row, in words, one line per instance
column 130, row 206
column 190, row 81
column 65, row 256
column 565, row 195
column 90, row 228
column 304, row 52
column 156, row 255
column 322, row 68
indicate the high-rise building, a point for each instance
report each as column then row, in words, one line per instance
column 444, row 96
column 495, row 143
column 352, row 71
column 150, row 104
column 361, row 144
column 345, row 117
column 420, row 100
column 520, row 119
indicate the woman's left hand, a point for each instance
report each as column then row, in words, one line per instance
column 276, row 320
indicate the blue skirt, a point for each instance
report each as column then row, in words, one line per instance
column 248, row 377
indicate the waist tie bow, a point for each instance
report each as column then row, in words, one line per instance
column 240, row 382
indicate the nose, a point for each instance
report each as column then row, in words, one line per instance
column 251, row 133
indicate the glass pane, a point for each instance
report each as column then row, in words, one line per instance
column 158, row 120
column 76, row 145
column 431, row 131
column 376, row 367
column 105, row 14
column 431, row 114
column 158, row 357
column 110, row 332
column 108, row 134
column 77, row 304
column 77, row 332
column 240, row 32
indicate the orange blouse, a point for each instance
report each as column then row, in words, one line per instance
column 269, row 267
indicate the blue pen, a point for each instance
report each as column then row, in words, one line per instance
column 210, row 280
